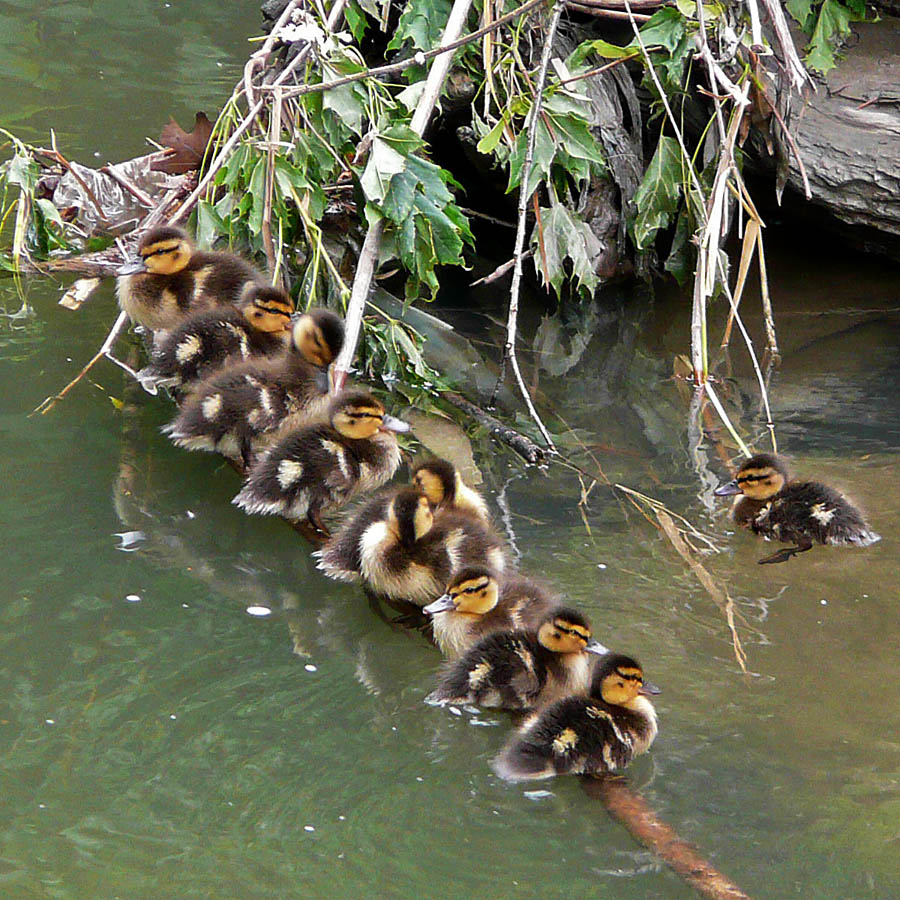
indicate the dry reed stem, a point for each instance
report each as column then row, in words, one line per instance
column 118, row 327
column 719, row 595
column 368, row 256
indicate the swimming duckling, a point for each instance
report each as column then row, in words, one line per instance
column 207, row 340
column 235, row 409
column 586, row 735
column 402, row 549
column 172, row 279
column 804, row 512
column 523, row 669
column 478, row 602
column 442, row 484
column 322, row 466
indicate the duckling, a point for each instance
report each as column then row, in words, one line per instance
column 404, row 550
column 442, row 484
column 173, row 279
column 241, row 406
column 207, row 340
column 586, row 735
column 478, row 602
column 805, row 512
column 321, row 466
column 523, row 669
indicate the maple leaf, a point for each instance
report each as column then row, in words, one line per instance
column 186, row 148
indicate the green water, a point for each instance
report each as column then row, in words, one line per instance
column 171, row 745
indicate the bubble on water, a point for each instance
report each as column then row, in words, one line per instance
column 310, row 668
column 133, row 598
column 260, row 611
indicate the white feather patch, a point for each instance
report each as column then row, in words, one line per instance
column 821, row 513
column 210, row 406
column 188, row 348
column 337, row 451
column 289, row 472
column 478, row 674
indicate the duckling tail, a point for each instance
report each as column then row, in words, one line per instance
column 519, row 762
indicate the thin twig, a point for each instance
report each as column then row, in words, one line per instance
column 501, row 270
column 509, row 350
column 333, row 18
column 417, row 59
column 141, row 196
column 117, row 329
column 368, row 256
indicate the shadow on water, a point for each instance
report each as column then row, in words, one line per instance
column 152, row 732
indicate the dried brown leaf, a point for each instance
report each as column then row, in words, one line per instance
column 188, row 148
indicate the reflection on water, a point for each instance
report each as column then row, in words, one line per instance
column 153, row 732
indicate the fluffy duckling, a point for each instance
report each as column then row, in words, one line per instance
column 478, row 602
column 173, row 279
column 321, row 466
column 236, row 409
column 586, row 735
column 442, row 484
column 207, row 340
column 804, row 512
column 523, row 669
column 404, row 550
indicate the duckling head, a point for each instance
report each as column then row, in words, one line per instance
column 319, row 335
column 437, row 479
column 409, row 516
column 759, row 478
column 619, row 680
column 357, row 415
column 163, row 251
column 566, row 630
column 267, row 308
column 474, row 591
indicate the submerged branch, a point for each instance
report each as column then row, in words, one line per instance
column 632, row 811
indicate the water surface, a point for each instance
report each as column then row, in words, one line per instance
column 153, row 733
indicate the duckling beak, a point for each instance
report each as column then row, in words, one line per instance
column 389, row 423
column 131, row 268
column 649, row 689
column 596, row 647
column 726, row 490
column 442, row 604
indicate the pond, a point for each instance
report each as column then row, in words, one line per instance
column 157, row 740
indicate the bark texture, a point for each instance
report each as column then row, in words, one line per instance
column 849, row 139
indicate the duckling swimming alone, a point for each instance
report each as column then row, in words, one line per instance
column 804, row 512
column 173, row 279
column 238, row 407
column 586, row 735
column 442, row 484
column 321, row 466
column 402, row 549
column 521, row 669
column 480, row 601
column 207, row 340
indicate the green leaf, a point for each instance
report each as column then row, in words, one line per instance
column 489, row 142
column 356, row 20
column 23, row 171
column 421, row 24
column 566, row 237
column 659, row 192
column 680, row 261
column 832, row 26
column 666, row 27
column 256, row 191
column 383, row 164
column 210, row 224
column 597, row 48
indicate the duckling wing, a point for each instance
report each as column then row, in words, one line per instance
column 573, row 736
column 502, row 670
column 818, row 512
column 341, row 556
